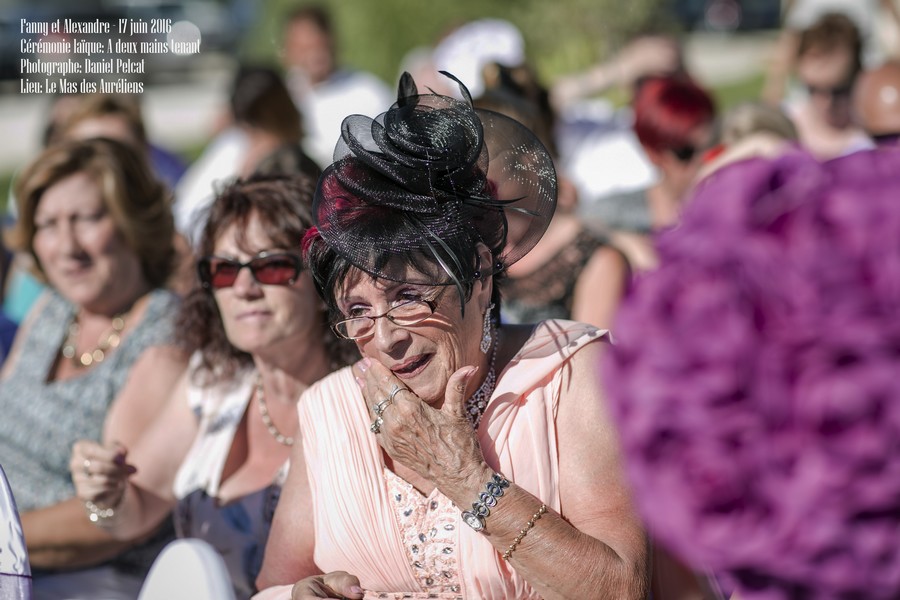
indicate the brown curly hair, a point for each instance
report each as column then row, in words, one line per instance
column 283, row 206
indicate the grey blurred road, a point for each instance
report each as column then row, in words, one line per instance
column 717, row 58
column 182, row 115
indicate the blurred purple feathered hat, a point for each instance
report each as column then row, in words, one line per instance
column 756, row 379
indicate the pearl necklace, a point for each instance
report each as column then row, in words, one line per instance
column 98, row 354
column 266, row 419
column 477, row 402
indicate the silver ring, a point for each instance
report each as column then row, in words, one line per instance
column 87, row 468
column 394, row 391
column 378, row 409
column 375, row 427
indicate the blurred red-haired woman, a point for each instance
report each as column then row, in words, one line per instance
column 673, row 119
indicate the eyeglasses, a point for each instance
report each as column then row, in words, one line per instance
column 404, row 315
column 840, row 91
column 269, row 269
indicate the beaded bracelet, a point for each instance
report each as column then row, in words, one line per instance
column 487, row 500
column 97, row 514
column 512, row 547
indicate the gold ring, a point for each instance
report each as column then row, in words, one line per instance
column 87, row 467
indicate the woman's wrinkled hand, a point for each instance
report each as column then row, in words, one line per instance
column 100, row 472
column 337, row 584
column 438, row 444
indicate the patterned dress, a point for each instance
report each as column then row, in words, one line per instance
column 549, row 292
column 42, row 419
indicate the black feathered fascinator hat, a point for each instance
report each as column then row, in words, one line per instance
column 423, row 183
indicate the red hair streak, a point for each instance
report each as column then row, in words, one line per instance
column 312, row 234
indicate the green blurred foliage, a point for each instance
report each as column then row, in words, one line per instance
column 5, row 183
column 731, row 94
column 561, row 36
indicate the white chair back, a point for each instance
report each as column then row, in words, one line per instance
column 188, row 569
column 15, row 571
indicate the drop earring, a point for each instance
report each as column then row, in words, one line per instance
column 486, row 330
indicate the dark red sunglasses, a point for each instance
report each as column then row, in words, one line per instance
column 268, row 269
column 684, row 154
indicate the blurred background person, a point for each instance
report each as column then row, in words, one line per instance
column 119, row 117
column 597, row 144
column 288, row 159
column 324, row 92
column 646, row 55
column 876, row 103
column 592, row 132
column 750, row 129
column 94, row 359
column 869, row 17
column 262, row 108
column 419, row 62
column 674, row 120
column 828, row 61
column 218, row 453
column 467, row 50
column 262, row 120
column 572, row 272
column 751, row 117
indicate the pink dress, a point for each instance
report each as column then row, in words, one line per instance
column 373, row 524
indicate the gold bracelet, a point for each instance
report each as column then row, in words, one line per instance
column 512, row 547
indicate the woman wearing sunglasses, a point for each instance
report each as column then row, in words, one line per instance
column 673, row 120
column 461, row 458
column 218, row 454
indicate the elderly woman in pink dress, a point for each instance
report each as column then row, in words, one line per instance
column 461, row 458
